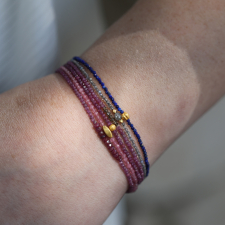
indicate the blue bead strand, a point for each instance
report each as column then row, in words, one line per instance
column 78, row 59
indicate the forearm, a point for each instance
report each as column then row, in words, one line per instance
column 164, row 63
column 53, row 167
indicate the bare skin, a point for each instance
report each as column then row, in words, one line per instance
column 164, row 64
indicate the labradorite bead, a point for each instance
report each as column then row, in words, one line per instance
column 117, row 116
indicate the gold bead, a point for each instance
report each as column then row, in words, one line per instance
column 107, row 131
column 114, row 110
column 125, row 116
column 112, row 127
column 121, row 121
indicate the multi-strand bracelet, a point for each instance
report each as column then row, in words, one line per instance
column 109, row 121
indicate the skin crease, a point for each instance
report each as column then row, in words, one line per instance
column 164, row 64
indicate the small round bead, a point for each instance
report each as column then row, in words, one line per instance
column 117, row 116
column 112, row 127
column 125, row 116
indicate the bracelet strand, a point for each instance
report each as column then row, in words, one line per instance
column 110, row 144
column 133, row 160
column 109, row 114
column 119, row 109
column 107, row 122
column 94, row 100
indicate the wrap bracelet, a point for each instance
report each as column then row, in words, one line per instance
column 84, row 79
column 97, row 124
column 107, row 122
column 109, row 114
column 119, row 109
column 94, row 99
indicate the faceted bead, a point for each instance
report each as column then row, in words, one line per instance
column 117, row 116
column 102, row 136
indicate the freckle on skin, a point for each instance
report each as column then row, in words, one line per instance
column 22, row 101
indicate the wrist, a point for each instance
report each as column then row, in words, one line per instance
column 61, row 164
column 160, row 70
column 158, row 96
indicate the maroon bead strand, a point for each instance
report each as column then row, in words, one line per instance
column 133, row 160
column 92, row 95
column 132, row 187
column 71, row 84
column 95, row 99
column 106, row 141
column 133, row 152
column 130, row 158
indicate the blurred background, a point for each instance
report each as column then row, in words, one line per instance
column 187, row 184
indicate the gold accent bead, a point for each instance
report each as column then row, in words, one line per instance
column 114, row 111
column 107, row 131
column 121, row 121
column 125, row 116
column 112, row 127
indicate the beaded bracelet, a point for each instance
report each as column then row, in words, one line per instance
column 115, row 137
column 135, row 163
column 119, row 109
column 98, row 127
column 109, row 114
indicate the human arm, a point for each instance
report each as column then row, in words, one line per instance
column 159, row 63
